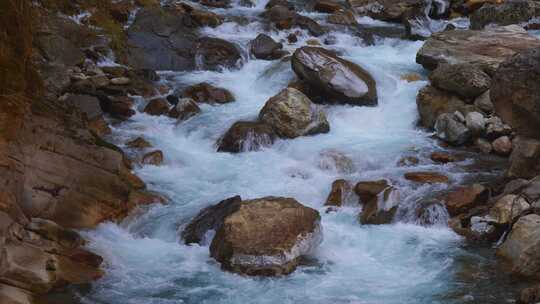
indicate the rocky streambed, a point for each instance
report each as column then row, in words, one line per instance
column 292, row 152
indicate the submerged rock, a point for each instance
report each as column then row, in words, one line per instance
column 206, row 93
column 336, row 161
column 215, row 54
column 153, row 158
column 336, row 80
column 138, row 143
column 266, row 236
column 522, row 246
column 247, row 136
column 292, row 114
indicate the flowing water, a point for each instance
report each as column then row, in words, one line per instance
column 397, row 263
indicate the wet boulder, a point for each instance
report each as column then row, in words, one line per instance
column 382, row 208
column 264, row 47
column 505, row 13
column 442, row 157
column 157, row 106
column 184, row 109
column 431, row 212
column 508, row 208
column 485, row 49
column 216, row 54
column 291, row 114
column 387, row 10
column 210, row 218
column 522, row 246
column 207, row 93
column 336, row 80
column 153, row 158
column 339, row 194
column 516, row 92
column 424, row 177
column 138, row 143
column 266, row 236
column 432, row 102
column 452, row 130
column 343, row 17
column 464, row 80
column 283, row 17
column 327, row 6
column 247, row 136
column 368, row 190
column 463, row 199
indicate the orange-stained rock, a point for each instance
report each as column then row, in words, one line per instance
column 426, row 177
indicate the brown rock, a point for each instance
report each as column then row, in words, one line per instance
column 515, row 93
column 464, row 79
column 407, row 161
column 441, row 157
column 138, row 143
column 246, row 136
column 530, row 295
column 153, row 158
column 465, row 198
column 522, row 246
column 341, row 190
column 326, row 6
column 411, row 77
column 381, row 209
column 502, row 146
column 266, row 236
column 215, row 54
column 319, row 68
column 525, row 158
column 210, row 218
column 368, row 190
column 426, row 177
column 119, row 107
column 207, row 93
column 345, row 17
column 184, row 109
column 486, row 49
column 291, row 114
column 432, row 102
column 157, row 106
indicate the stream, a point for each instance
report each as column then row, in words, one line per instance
column 403, row 262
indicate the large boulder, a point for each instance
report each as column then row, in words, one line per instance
column 160, row 40
column 522, row 246
column 506, row 13
column 210, row 218
column 336, row 80
column 215, row 54
column 206, row 93
column 387, row 10
column 184, row 109
column 464, row 80
column 465, row 198
column 516, row 92
column 525, row 158
column 485, row 49
column 264, row 47
column 432, row 102
column 266, row 236
column 246, row 136
column 292, row 114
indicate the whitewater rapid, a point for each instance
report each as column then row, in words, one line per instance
column 146, row 263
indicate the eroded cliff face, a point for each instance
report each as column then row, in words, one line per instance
column 55, row 173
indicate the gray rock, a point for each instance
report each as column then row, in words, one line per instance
column 432, row 102
column 465, row 80
column 525, row 158
column 505, row 13
column 264, row 47
column 449, row 129
column 483, row 102
column 475, row 122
